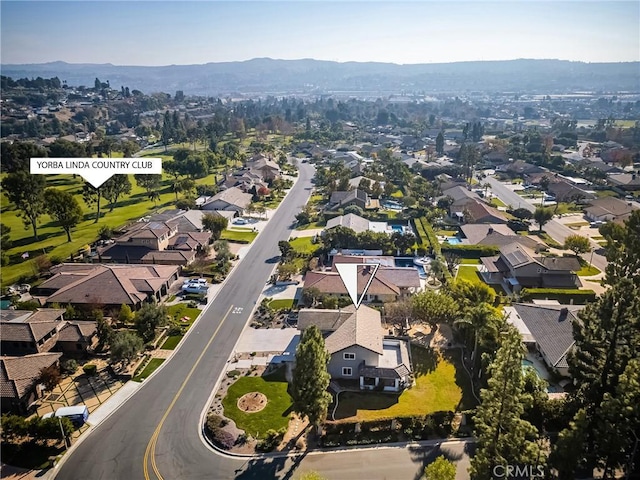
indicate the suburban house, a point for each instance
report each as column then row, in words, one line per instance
column 231, row 199
column 245, row 180
column 25, row 332
column 359, row 224
column 343, row 199
column 548, row 329
column 626, row 181
column 263, row 166
column 565, row 191
column 388, row 285
column 182, row 220
column 157, row 243
column 519, row 267
column 496, row 234
column 19, row 377
column 359, row 351
column 106, row 286
column 468, row 207
column 608, row 209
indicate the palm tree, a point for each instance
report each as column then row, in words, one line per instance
column 482, row 319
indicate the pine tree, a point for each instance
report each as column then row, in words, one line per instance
column 310, row 377
column 504, row 438
column 607, row 338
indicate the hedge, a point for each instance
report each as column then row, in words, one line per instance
column 471, row 251
column 90, row 369
column 421, row 235
column 563, row 295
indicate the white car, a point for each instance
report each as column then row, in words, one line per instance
column 240, row 221
column 200, row 281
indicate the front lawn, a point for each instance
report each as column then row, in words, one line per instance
column 180, row 310
column 587, row 270
column 496, row 202
column 274, row 416
column 240, row 236
column 441, row 384
column 470, row 261
column 397, row 194
column 304, row 245
column 151, row 367
column 171, row 342
column 281, row 304
column 312, row 225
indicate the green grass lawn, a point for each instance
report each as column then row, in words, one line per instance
column 52, row 239
column 446, row 233
column 171, row 342
column 470, row 261
column 151, row 367
column 397, row 194
column 577, row 225
column 180, row 310
column 281, row 304
column 274, row 416
column 586, row 270
column 441, row 384
column 316, row 199
column 496, row 202
column 312, row 225
column 304, row 245
column 605, row 193
column 243, row 236
column 471, row 274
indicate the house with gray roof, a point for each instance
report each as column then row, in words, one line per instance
column 519, row 267
column 19, row 380
column 25, row 332
column 231, row 199
column 549, row 328
column 609, row 209
column 358, row 348
column 497, row 235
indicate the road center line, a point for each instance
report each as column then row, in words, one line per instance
column 149, row 454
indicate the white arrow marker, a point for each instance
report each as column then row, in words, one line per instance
column 349, row 275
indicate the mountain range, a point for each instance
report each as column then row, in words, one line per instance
column 269, row 76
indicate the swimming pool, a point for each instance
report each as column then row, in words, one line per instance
column 397, row 228
column 391, row 205
column 403, row 262
column 453, row 241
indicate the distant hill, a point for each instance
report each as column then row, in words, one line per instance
column 265, row 75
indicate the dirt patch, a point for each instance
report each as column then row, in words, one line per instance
column 252, row 402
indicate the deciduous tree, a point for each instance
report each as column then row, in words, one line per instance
column 434, row 307
column 148, row 319
column 578, row 244
column 114, row 188
column 26, row 192
column 542, row 215
column 215, row 224
column 125, row 346
column 440, row 469
column 64, row 208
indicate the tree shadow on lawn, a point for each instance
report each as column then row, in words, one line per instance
column 423, row 456
column 424, row 359
column 467, row 401
column 350, row 402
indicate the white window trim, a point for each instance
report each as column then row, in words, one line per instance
column 344, row 372
column 352, row 356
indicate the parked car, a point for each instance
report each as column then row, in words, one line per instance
column 240, row 221
column 201, row 281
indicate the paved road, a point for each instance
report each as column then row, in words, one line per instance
column 116, row 449
column 555, row 229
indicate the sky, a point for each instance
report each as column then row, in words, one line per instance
column 181, row 32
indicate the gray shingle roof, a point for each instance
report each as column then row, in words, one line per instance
column 351, row 220
column 362, row 328
column 551, row 326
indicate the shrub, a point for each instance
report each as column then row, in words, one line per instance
column 271, row 440
column 562, row 295
column 216, row 421
column 90, row 369
column 233, row 373
column 471, row 251
column 222, row 438
column 69, row 366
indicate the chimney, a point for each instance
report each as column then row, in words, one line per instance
column 563, row 314
column 490, row 231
